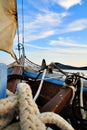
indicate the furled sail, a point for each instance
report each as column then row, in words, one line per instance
column 8, row 25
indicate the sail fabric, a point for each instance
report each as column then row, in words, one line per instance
column 8, row 25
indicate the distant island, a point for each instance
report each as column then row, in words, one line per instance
column 69, row 67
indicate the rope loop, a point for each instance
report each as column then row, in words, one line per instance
column 30, row 117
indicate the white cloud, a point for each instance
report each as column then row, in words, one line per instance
column 68, row 3
column 40, row 35
column 51, row 23
column 77, row 25
column 66, row 42
column 43, row 5
column 43, row 25
column 49, row 19
column 59, row 50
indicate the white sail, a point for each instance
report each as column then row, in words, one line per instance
column 8, row 25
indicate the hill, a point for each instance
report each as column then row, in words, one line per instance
column 62, row 66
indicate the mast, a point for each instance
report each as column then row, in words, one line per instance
column 18, row 31
column 23, row 29
column 21, row 45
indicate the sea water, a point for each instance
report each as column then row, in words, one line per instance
column 75, row 71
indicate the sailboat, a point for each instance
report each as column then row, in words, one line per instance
column 54, row 91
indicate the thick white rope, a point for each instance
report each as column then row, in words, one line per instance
column 73, row 92
column 9, row 93
column 8, row 104
column 13, row 126
column 30, row 117
column 40, row 86
column 52, row 118
column 6, row 119
column 28, row 110
column 8, row 107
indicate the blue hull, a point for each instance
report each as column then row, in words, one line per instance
column 50, row 80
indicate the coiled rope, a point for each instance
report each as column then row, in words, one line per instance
column 30, row 117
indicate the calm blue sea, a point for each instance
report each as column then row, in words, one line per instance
column 75, row 71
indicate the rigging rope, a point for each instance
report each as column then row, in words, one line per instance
column 23, row 28
column 40, row 86
column 18, row 32
column 20, row 46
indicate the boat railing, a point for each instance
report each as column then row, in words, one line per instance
column 32, row 65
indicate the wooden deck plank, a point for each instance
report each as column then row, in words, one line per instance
column 11, row 85
column 57, row 103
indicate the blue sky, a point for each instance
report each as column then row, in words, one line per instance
column 55, row 30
